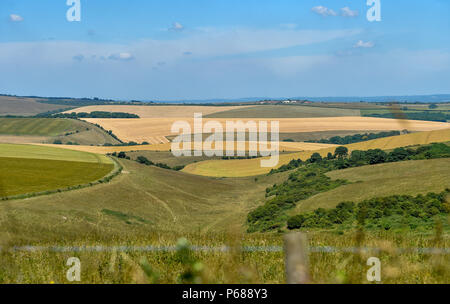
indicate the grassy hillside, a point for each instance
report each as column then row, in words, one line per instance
column 25, row 106
column 249, row 167
column 50, row 153
column 283, row 111
column 38, row 126
column 409, row 178
column 24, row 175
column 151, row 206
column 50, row 129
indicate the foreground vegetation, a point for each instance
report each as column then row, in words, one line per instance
column 117, row 264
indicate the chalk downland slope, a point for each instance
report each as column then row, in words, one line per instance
column 402, row 178
column 21, row 106
column 249, row 167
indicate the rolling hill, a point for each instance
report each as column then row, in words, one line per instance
column 249, row 167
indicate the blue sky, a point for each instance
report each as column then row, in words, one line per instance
column 203, row 49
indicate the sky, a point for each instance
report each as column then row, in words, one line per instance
column 206, row 49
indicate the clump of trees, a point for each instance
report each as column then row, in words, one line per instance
column 341, row 159
column 350, row 139
column 378, row 213
column 94, row 114
column 440, row 116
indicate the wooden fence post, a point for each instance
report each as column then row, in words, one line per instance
column 296, row 258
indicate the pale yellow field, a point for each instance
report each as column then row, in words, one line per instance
column 283, row 146
column 157, row 111
column 251, row 167
column 154, row 130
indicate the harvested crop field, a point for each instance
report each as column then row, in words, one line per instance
column 158, row 111
column 249, row 167
column 284, row 111
column 155, row 130
column 283, row 146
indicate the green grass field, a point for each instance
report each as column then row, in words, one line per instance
column 284, row 111
column 50, row 129
column 22, row 175
column 38, row 126
column 50, row 153
column 409, row 178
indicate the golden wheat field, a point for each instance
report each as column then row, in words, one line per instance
column 283, row 146
column 155, row 130
column 158, row 111
column 250, row 167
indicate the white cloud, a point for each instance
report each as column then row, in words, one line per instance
column 121, row 56
column 362, row 44
column 347, row 12
column 15, row 18
column 176, row 27
column 324, row 11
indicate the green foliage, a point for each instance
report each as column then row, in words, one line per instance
column 350, row 139
column 143, row 160
column 370, row 157
column 385, row 213
column 94, row 114
column 441, row 116
column 301, row 184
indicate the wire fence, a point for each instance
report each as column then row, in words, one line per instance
column 316, row 249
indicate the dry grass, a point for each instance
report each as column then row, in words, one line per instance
column 250, row 167
column 284, row 146
column 158, row 111
column 155, row 130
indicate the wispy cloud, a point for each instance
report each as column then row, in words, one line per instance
column 121, row 56
column 362, row 44
column 78, row 57
column 323, row 11
column 15, row 18
column 347, row 12
column 178, row 27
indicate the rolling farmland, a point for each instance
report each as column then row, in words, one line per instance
column 248, row 167
column 158, row 111
column 155, row 130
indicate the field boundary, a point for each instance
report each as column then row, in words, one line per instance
column 107, row 178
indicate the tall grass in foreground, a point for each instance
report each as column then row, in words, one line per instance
column 234, row 266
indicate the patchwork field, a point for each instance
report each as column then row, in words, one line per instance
column 248, row 167
column 403, row 178
column 155, row 130
column 157, row 111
